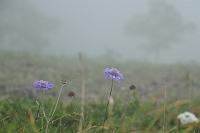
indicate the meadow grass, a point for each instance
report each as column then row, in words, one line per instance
column 162, row 93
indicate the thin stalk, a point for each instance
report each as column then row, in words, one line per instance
column 83, row 90
column 37, row 115
column 125, row 109
column 43, row 99
column 164, row 112
column 43, row 110
column 107, row 106
column 44, row 116
column 42, row 124
column 57, row 101
column 46, row 131
column 77, row 112
column 54, row 108
column 190, row 92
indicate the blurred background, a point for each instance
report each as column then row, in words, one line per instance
column 158, row 31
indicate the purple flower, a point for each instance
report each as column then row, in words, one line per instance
column 113, row 73
column 44, row 85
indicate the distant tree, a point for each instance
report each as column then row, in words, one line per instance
column 23, row 26
column 160, row 27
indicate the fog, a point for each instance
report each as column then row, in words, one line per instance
column 147, row 30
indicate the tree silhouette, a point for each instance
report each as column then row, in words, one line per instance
column 23, row 26
column 160, row 27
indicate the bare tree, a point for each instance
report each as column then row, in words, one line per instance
column 160, row 27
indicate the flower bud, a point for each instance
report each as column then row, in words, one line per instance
column 71, row 94
column 132, row 87
column 63, row 81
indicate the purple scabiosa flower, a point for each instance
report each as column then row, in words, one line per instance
column 113, row 73
column 44, row 85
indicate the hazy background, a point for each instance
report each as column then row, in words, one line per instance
column 146, row 30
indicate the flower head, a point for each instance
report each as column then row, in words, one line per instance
column 113, row 73
column 187, row 117
column 44, row 85
column 71, row 94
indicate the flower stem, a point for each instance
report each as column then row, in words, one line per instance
column 42, row 109
column 57, row 101
column 131, row 92
column 107, row 106
column 82, row 118
column 164, row 112
column 48, row 120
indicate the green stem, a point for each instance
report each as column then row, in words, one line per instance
column 107, row 106
column 125, row 109
column 43, row 109
column 164, row 112
column 48, row 120
column 77, row 112
column 57, row 101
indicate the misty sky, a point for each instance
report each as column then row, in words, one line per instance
column 96, row 27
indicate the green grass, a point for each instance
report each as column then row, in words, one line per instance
column 18, row 108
